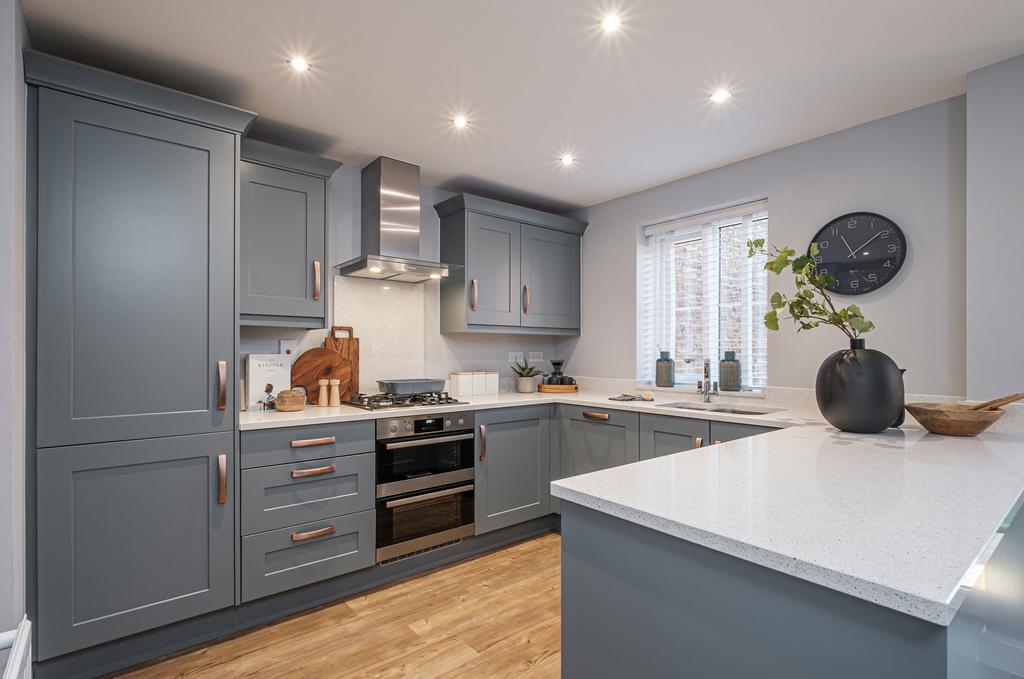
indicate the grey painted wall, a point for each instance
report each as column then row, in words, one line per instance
column 442, row 354
column 909, row 167
column 13, row 37
column 995, row 203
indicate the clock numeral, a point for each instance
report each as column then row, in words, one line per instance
column 823, row 245
column 817, row 260
column 872, row 278
column 834, row 231
column 885, row 234
column 888, row 264
column 854, row 284
column 852, row 224
column 823, row 271
column 892, row 247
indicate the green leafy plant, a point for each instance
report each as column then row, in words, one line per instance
column 811, row 306
column 524, row 369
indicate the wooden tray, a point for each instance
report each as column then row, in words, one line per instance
column 558, row 388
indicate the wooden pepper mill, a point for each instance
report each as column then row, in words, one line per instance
column 322, row 400
column 335, row 393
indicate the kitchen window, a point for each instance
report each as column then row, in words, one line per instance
column 700, row 295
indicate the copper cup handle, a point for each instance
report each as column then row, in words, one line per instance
column 315, row 471
column 316, row 280
column 222, row 385
column 309, row 535
column 475, row 295
column 483, row 441
column 222, row 478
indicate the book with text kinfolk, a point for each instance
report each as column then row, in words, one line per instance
column 266, row 374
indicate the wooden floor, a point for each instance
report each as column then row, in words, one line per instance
column 497, row 615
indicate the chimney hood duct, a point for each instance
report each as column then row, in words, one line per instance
column 390, row 226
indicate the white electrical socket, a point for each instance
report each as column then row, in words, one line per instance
column 536, row 356
column 515, row 357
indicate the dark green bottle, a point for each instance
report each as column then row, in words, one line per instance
column 665, row 371
column 729, row 372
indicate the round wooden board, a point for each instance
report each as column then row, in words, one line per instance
column 318, row 364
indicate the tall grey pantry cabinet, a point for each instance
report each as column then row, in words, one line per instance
column 135, row 191
column 517, row 270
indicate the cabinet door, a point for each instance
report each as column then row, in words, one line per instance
column 512, row 468
column 136, row 274
column 730, row 431
column 132, row 535
column 664, row 435
column 597, row 438
column 551, row 278
column 282, row 242
column 492, row 270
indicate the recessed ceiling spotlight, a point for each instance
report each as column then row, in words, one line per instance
column 567, row 160
column 460, row 122
column 299, row 64
column 611, row 23
column 720, row 95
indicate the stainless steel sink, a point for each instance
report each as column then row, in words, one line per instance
column 724, row 408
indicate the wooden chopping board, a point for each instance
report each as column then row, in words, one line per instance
column 342, row 338
column 320, row 364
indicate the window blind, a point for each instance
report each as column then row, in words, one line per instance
column 700, row 295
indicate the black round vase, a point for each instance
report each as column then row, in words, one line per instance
column 860, row 390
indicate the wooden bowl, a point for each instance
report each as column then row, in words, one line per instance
column 290, row 401
column 558, row 388
column 953, row 419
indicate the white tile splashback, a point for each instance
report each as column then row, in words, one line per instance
column 388, row 319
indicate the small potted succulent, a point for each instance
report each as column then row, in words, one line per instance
column 857, row 389
column 526, row 377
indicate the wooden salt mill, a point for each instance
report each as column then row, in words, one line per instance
column 322, row 400
column 335, row 393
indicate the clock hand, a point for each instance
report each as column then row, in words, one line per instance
column 865, row 244
column 852, row 253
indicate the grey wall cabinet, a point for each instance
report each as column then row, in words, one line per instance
column 512, row 466
column 597, row 438
column 517, row 269
column 664, row 434
column 132, row 535
column 729, row 431
column 283, row 274
column 136, row 216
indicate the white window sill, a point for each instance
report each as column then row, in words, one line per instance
column 691, row 390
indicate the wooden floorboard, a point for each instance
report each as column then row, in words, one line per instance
column 496, row 615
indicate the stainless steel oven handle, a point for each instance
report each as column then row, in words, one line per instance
column 391, row 504
column 424, row 442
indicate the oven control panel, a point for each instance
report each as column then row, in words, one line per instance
column 423, row 425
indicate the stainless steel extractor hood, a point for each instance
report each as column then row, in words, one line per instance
column 390, row 221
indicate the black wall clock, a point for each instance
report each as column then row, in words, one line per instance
column 861, row 250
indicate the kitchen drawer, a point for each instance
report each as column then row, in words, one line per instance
column 730, row 431
column 275, row 561
column 265, row 447
column 289, row 494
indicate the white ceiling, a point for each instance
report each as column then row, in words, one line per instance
column 538, row 78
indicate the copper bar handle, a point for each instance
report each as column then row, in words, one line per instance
column 306, row 443
column 698, row 441
column 222, row 477
column 309, row 535
column 315, row 471
column 526, row 294
column 316, row 280
column 222, row 385
column 595, row 416
column 475, row 295
column 483, row 441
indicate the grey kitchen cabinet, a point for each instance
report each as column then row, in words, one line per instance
column 279, row 560
column 292, row 445
column 730, row 431
column 665, row 434
column 282, row 236
column 512, row 467
column 597, row 438
column 516, row 270
column 550, row 277
column 135, row 273
column 132, row 535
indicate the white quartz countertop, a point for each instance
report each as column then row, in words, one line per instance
column 270, row 419
column 904, row 519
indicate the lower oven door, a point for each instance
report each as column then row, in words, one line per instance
column 417, row 521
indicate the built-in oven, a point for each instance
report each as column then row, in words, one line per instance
column 425, row 489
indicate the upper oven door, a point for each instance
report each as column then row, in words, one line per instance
column 413, row 464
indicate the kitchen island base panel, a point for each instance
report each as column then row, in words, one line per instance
column 639, row 603
column 140, row 648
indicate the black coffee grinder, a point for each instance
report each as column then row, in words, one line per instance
column 557, row 376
